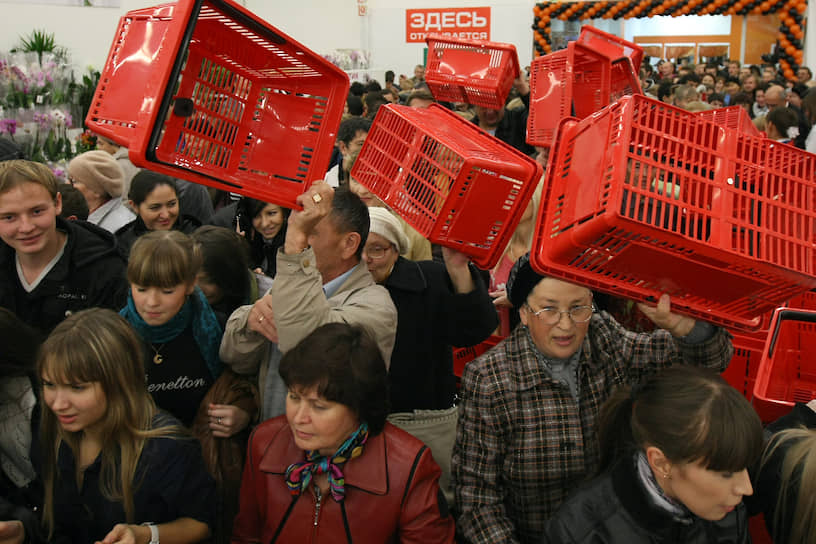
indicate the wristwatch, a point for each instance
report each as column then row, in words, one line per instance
column 154, row 532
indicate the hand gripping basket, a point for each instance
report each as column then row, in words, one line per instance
column 787, row 371
column 477, row 72
column 643, row 198
column 206, row 91
column 454, row 183
column 589, row 74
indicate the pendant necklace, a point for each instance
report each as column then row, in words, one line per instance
column 157, row 358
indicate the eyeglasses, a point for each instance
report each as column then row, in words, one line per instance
column 376, row 252
column 550, row 315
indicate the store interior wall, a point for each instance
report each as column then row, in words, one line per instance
column 321, row 25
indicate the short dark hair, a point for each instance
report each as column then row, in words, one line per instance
column 664, row 88
column 715, row 97
column 355, row 105
column 389, row 76
column 373, row 86
column 800, row 89
column 419, row 94
column 740, row 98
column 690, row 413
column 225, row 261
column 73, row 202
column 145, row 181
column 691, row 77
column 345, row 365
column 357, row 88
column 350, row 214
column 373, row 101
column 350, row 127
column 782, row 118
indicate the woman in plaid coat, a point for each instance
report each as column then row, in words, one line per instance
column 527, row 431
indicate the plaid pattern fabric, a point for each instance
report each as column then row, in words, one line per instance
column 522, row 441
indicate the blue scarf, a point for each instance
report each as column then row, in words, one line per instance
column 195, row 313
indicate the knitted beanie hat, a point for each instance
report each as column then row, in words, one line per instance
column 522, row 281
column 99, row 172
column 387, row 225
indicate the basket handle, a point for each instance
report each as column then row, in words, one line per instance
column 782, row 315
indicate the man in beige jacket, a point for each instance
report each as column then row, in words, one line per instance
column 320, row 279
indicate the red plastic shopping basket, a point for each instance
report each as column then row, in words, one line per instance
column 590, row 73
column 643, row 198
column 206, row 91
column 744, row 365
column 454, row 183
column 462, row 356
column 735, row 117
column 787, row 371
column 477, row 72
column 611, row 46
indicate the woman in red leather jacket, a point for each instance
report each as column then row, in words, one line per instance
column 332, row 469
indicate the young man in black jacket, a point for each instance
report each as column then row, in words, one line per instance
column 49, row 267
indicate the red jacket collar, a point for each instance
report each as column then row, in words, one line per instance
column 368, row 472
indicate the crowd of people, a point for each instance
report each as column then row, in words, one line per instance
column 785, row 110
column 182, row 365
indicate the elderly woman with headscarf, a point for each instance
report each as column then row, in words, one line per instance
column 527, row 431
column 101, row 181
column 438, row 306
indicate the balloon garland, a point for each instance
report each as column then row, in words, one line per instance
column 789, row 40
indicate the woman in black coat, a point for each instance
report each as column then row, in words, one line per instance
column 438, row 306
column 676, row 449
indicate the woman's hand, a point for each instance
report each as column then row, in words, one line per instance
column 456, row 263
column 12, row 532
column 500, row 298
column 661, row 315
column 227, row 420
column 127, row 534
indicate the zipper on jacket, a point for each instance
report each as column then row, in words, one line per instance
column 318, row 500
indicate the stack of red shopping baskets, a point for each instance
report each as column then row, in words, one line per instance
column 455, row 184
column 590, row 73
column 642, row 198
column 206, row 91
column 476, row 72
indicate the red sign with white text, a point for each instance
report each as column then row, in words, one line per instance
column 465, row 23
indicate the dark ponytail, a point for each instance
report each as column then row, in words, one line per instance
column 690, row 413
column 615, row 427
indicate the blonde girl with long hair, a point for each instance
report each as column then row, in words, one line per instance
column 115, row 469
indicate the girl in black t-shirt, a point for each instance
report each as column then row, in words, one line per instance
column 179, row 330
